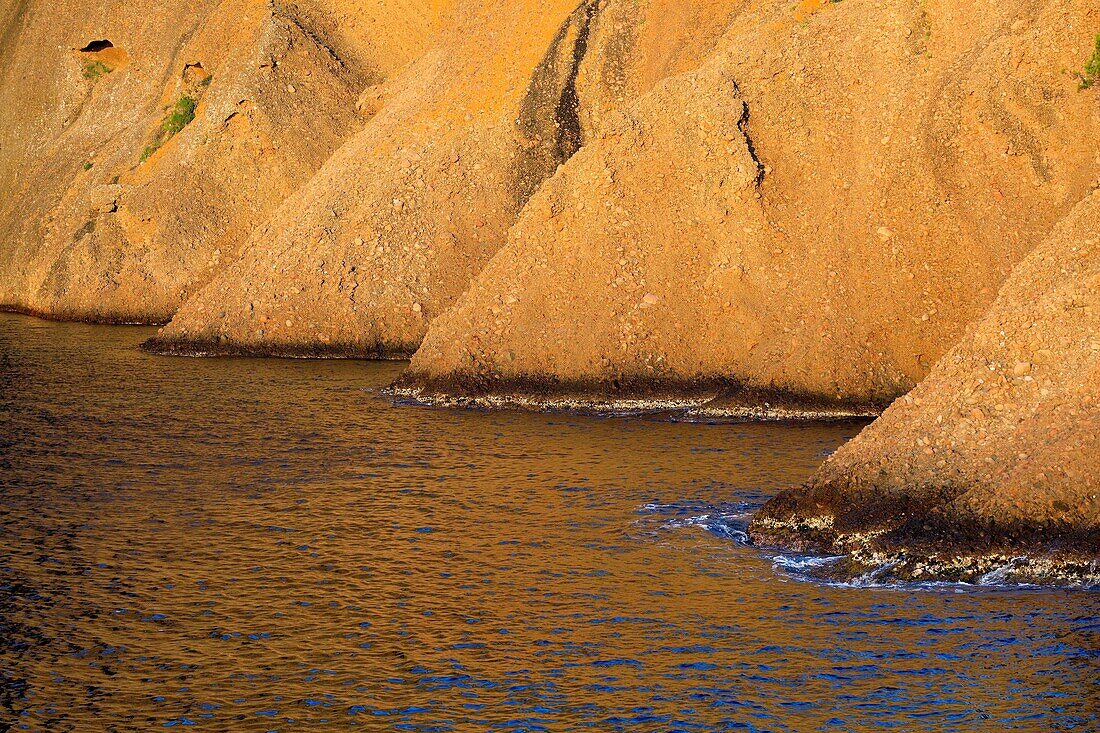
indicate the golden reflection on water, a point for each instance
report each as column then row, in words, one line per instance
column 255, row 545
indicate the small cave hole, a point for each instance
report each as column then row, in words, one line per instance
column 97, row 46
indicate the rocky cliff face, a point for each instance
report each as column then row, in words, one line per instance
column 794, row 217
column 990, row 464
column 749, row 180
column 143, row 144
column 412, row 208
column 746, row 207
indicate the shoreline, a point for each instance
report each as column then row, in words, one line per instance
column 209, row 348
column 954, row 552
column 73, row 317
column 886, row 547
column 699, row 400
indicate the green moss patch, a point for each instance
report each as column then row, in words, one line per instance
column 93, row 70
column 180, row 116
column 1092, row 68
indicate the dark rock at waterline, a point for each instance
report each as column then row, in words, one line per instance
column 305, row 349
column 893, row 537
column 698, row 399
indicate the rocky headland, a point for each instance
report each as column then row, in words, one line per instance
column 797, row 214
column 992, row 463
column 755, row 209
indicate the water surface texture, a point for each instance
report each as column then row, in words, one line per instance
column 250, row 545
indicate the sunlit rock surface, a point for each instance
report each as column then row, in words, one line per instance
column 995, row 455
column 815, row 212
column 142, row 142
column 394, row 227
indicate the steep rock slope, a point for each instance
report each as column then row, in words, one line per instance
column 815, row 214
column 994, row 455
column 142, row 144
column 393, row 228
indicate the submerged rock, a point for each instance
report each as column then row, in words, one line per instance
column 987, row 466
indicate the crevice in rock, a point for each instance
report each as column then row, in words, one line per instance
column 743, row 126
column 549, row 121
column 567, row 115
column 97, row 46
column 295, row 18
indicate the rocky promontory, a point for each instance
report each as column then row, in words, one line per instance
column 411, row 209
column 992, row 464
column 805, row 214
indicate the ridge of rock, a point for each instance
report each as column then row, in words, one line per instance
column 990, row 464
column 137, row 163
column 795, row 216
column 399, row 221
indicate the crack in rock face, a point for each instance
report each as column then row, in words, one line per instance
column 549, row 120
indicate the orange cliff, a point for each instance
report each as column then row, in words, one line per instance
column 992, row 464
column 391, row 231
column 814, row 212
column 143, row 142
column 745, row 208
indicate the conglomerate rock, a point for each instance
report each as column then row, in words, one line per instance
column 995, row 456
column 144, row 141
column 816, row 212
column 392, row 229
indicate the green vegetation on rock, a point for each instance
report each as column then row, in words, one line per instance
column 182, row 115
column 95, row 69
column 1092, row 67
